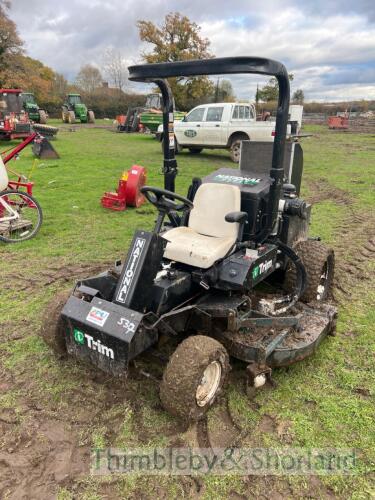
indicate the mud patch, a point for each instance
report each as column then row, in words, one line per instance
column 321, row 190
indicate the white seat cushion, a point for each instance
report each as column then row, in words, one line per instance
column 189, row 247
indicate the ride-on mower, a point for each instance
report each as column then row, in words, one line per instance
column 227, row 270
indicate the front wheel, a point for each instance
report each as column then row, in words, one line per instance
column 194, row 377
column 71, row 117
column 42, row 117
column 20, row 216
column 52, row 328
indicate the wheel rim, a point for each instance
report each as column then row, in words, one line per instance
column 236, row 152
column 209, row 384
column 322, row 288
column 20, row 218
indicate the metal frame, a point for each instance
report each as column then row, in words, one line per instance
column 157, row 73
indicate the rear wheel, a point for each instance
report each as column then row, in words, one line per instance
column 194, row 377
column 319, row 262
column 195, row 151
column 235, row 149
column 91, row 117
column 42, row 116
column 52, row 328
column 71, row 117
column 20, row 216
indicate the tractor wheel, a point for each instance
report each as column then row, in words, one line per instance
column 42, row 116
column 64, row 117
column 71, row 117
column 91, row 117
column 52, row 329
column 319, row 262
column 195, row 151
column 194, row 377
column 235, row 150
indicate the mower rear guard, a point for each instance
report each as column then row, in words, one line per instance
column 282, row 346
column 43, row 149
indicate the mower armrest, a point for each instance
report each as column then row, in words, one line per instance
column 236, row 217
column 240, row 218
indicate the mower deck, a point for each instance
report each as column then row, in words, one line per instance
column 281, row 345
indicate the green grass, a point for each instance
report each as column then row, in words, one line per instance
column 326, row 401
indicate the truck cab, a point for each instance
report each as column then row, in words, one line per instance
column 222, row 125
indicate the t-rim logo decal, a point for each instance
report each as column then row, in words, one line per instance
column 131, row 267
column 261, row 268
column 190, row 133
column 95, row 345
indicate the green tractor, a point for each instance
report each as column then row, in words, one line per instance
column 74, row 109
column 29, row 104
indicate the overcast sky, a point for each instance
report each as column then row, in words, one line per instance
column 329, row 45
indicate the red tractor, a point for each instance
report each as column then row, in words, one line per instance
column 14, row 122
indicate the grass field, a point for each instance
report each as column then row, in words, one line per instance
column 52, row 412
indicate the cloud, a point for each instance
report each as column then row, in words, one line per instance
column 329, row 46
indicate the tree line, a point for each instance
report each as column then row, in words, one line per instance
column 105, row 87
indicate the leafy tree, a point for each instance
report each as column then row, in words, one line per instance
column 10, row 43
column 298, row 96
column 270, row 91
column 178, row 39
column 89, row 79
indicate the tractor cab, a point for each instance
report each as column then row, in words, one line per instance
column 14, row 122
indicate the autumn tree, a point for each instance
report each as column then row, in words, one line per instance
column 270, row 91
column 116, row 68
column 10, row 43
column 298, row 96
column 179, row 39
column 89, row 79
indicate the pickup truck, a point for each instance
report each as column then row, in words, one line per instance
column 220, row 125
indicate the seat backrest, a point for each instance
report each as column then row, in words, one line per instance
column 3, row 176
column 212, row 202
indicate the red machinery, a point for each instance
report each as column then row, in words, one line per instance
column 338, row 122
column 14, row 122
column 128, row 190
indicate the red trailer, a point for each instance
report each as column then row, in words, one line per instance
column 338, row 122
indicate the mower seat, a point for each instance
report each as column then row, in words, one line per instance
column 3, row 176
column 208, row 236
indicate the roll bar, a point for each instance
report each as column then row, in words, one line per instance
column 157, row 73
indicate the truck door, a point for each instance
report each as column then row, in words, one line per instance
column 215, row 127
column 190, row 129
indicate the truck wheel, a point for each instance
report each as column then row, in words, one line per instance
column 195, row 151
column 235, row 150
column 177, row 147
column 71, row 117
column 52, row 329
column 91, row 117
column 194, row 377
column 42, row 117
column 319, row 262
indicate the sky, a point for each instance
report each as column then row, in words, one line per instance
column 329, row 45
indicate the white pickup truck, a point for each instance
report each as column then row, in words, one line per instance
column 220, row 125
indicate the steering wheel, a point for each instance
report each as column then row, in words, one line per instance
column 165, row 200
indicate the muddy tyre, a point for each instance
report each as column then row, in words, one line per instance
column 71, row 117
column 319, row 262
column 194, row 377
column 90, row 117
column 52, row 329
